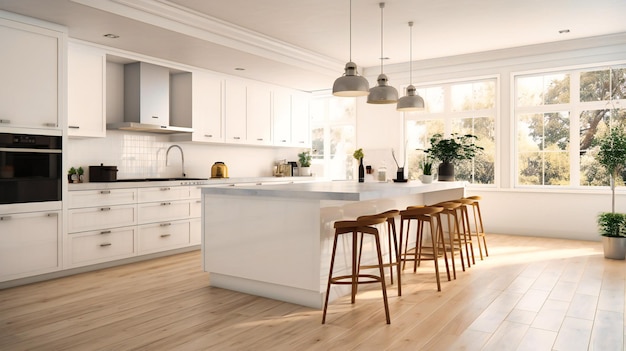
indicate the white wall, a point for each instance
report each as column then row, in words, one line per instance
column 554, row 213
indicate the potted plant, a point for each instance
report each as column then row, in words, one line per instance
column 612, row 226
column 427, row 171
column 72, row 177
column 358, row 154
column 304, row 159
column 80, row 172
column 447, row 150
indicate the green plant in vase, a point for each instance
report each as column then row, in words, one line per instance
column 358, row 154
column 448, row 150
column 304, row 158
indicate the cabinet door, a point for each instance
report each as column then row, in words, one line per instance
column 29, row 244
column 163, row 236
column 29, row 66
column 101, row 246
column 163, row 211
column 104, row 197
column 300, row 125
column 86, row 77
column 93, row 218
column 234, row 111
column 282, row 117
column 207, row 108
column 259, row 115
column 163, row 193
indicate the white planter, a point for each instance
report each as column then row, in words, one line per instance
column 426, row 179
column 614, row 247
column 304, row 171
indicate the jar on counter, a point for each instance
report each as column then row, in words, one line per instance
column 382, row 174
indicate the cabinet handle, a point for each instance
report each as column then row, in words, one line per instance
column 165, row 235
column 5, row 218
column 259, row 139
column 198, row 201
column 165, row 189
column 236, row 138
column 105, row 244
column 104, row 192
column 283, row 141
column 73, row 127
column 156, row 117
column 208, row 135
column 105, row 232
column 5, row 121
column 52, row 214
column 105, row 209
column 165, row 203
column 165, row 224
column 49, row 124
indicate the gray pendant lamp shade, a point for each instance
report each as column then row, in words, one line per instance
column 412, row 101
column 351, row 83
column 382, row 93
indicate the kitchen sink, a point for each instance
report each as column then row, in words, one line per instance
column 158, row 179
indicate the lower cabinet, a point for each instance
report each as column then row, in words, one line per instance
column 163, row 236
column 29, row 244
column 102, row 245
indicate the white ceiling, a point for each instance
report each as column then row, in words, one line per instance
column 304, row 44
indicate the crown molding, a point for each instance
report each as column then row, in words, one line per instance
column 173, row 17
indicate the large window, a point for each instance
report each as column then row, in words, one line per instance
column 460, row 107
column 333, row 123
column 559, row 118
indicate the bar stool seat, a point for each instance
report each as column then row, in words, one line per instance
column 363, row 225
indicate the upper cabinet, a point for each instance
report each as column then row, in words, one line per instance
column 235, row 107
column 259, row 114
column 30, row 71
column 86, row 91
column 291, row 119
column 197, row 103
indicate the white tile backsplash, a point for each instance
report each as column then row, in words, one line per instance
column 141, row 155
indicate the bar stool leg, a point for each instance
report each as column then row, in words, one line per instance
column 382, row 277
column 330, row 275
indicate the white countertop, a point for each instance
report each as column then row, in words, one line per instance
column 335, row 190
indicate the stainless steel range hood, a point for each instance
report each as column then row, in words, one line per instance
column 147, row 100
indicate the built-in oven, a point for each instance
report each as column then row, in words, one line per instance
column 30, row 168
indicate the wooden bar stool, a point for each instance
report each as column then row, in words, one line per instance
column 455, row 238
column 465, row 222
column 480, row 230
column 394, row 249
column 363, row 225
column 423, row 215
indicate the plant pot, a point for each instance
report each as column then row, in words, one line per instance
column 445, row 172
column 304, row 171
column 426, row 179
column 614, row 247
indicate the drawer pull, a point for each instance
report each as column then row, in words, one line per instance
column 5, row 218
column 49, row 124
column 236, row 138
column 208, row 135
column 165, row 224
column 105, row 244
column 105, row 209
column 105, row 192
column 5, row 121
column 259, row 139
column 198, row 201
column 52, row 214
column 73, row 127
column 165, row 203
column 165, row 235
column 105, row 232
column 165, row 189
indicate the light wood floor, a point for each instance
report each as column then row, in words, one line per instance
column 529, row 294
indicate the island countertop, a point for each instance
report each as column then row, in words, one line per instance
column 334, row 190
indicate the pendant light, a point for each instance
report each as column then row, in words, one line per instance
column 382, row 93
column 412, row 101
column 351, row 83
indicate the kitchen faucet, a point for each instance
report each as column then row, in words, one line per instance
column 182, row 157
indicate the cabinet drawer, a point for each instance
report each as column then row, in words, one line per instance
column 164, row 193
column 28, row 243
column 100, row 246
column 195, row 231
column 163, row 211
column 163, row 236
column 195, row 208
column 195, row 192
column 94, row 198
column 84, row 219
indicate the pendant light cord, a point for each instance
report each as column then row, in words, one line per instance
column 411, row 53
column 382, row 7
column 350, row 30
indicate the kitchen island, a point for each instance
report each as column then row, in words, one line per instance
column 275, row 241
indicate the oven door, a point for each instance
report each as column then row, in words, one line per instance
column 30, row 174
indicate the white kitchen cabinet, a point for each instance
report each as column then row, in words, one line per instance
column 104, row 197
column 235, row 124
column 163, row 211
column 86, row 91
column 195, row 231
column 102, row 245
column 282, row 117
column 259, row 115
column 101, row 217
column 163, row 193
column 163, row 236
column 30, row 69
column 197, row 104
column 300, row 125
column 29, row 244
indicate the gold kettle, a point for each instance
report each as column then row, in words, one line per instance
column 219, row 170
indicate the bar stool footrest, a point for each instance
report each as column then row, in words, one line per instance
column 343, row 279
